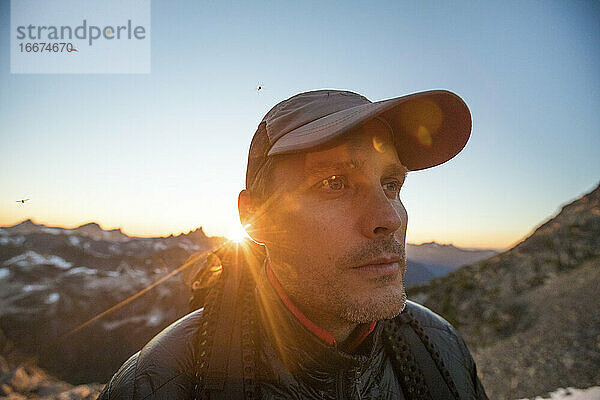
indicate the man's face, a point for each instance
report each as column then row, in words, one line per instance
column 336, row 233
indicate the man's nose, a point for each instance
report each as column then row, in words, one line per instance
column 381, row 216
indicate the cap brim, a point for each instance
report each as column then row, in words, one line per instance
column 429, row 127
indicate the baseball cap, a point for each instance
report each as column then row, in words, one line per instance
column 428, row 128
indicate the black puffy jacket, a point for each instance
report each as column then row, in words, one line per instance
column 292, row 363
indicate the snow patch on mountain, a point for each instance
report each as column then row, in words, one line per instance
column 52, row 298
column 190, row 247
column 74, row 240
column 592, row 393
column 34, row 288
column 30, row 259
column 13, row 240
column 52, row 231
column 159, row 246
column 83, row 271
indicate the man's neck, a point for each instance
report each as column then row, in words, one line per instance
column 330, row 329
column 340, row 331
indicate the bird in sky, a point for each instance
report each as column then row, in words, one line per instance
column 22, row 201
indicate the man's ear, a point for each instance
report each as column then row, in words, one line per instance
column 249, row 209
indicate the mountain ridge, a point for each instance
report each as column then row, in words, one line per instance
column 29, row 225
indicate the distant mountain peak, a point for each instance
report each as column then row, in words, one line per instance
column 197, row 234
column 445, row 254
column 25, row 227
column 94, row 230
column 436, row 244
column 26, row 222
column 90, row 225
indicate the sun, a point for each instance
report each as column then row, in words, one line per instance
column 238, row 233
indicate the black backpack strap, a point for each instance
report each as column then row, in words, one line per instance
column 420, row 375
column 226, row 355
column 433, row 377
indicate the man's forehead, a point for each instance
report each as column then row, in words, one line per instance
column 370, row 141
column 371, row 144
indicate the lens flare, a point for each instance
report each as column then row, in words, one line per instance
column 424, row 136
column 378, row 144
column 238, row 234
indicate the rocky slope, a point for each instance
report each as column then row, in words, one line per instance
column 20, row 378
column 531, row 314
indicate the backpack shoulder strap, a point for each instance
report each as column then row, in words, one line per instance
column 417, row 370
column 226, row 355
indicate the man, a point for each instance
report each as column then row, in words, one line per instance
column 314, row 306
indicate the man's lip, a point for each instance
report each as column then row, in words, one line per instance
column 380, row 260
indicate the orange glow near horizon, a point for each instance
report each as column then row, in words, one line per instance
column 234, row 231
column 223, row 221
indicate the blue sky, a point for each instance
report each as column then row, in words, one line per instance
column 165, row 152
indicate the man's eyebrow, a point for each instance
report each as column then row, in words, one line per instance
column 326, row 166
column 396, row 169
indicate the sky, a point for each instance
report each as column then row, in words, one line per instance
column 165, row 152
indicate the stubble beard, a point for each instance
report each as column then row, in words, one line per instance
column 376, row 307
column 388, row 298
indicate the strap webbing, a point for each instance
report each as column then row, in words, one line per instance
column 433, row 377
column 226, row 373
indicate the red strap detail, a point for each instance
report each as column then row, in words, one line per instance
column 365, row 331
column 323, row 334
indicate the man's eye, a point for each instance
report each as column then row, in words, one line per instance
column 333, row 183
column 392, row 188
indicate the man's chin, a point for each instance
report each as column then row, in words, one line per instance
column 374, row 308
